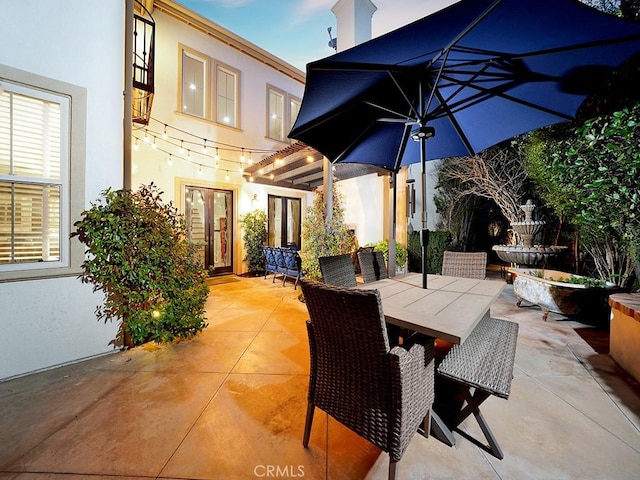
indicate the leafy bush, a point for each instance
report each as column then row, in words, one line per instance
column 254, row 225
column 383, row 246
column 439, row 241
column 323, row 237
column 139, row 256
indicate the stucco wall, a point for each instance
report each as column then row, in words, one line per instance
column 50, row 322
column 150, row 165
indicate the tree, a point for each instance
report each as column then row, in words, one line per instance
column 591, row 177
column 325, row 237
column 497, row 174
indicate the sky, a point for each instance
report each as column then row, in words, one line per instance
column 296, row 30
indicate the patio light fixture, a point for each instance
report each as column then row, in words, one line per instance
column 423, row 132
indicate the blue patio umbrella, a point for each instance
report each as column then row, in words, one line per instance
column 465, row 78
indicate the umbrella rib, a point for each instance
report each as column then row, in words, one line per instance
column 484, row 93
column 404, row 95
column 455, row 123
column 351, row 145
column 403, row 145
column 548, row 51
column 400, row 116
column 463, row 33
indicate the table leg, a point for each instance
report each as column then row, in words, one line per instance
column 440, row 430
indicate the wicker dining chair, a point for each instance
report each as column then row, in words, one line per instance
column 338, row 270
column 380, row 392
column 465, row 264
column 372, row 266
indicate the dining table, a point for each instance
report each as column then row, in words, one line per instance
column 448, row 309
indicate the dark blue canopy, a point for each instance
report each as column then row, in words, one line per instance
column 478, row 72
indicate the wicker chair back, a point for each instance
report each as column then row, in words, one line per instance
column 465, row 264
column 338, row 270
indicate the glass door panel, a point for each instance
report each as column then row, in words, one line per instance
column 209, row 213
column 284, row 221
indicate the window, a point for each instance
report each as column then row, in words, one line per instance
column 209, row 89
column 276, row 114
column 284, row 215
column 194, row 84
column 294, row 109
column 279, row 118
column 37, row 170
column 227, row 95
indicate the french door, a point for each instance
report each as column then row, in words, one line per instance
column 209, row 217
column 284, row 221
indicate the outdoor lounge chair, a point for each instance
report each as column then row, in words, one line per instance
column 372, row 266
column 465, row 264
column 338, row 270
column 382, row 393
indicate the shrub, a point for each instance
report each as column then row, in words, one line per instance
column 383, row 246
column 254, row 226
column 439, row 241
column 322, row 237
column 139, row 256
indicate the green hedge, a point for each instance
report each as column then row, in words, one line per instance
column 439, row 241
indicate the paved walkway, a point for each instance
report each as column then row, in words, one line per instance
column 230, row 404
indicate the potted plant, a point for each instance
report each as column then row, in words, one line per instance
column 254, row 235
column 138, row 255
column 401, row 253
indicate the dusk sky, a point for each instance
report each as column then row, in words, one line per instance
column 296, row 30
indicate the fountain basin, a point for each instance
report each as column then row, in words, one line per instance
column 545, row 289
column 523, row 255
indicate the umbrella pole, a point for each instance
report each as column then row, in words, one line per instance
column 424, row 234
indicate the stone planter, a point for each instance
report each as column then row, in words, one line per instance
column 569, row 299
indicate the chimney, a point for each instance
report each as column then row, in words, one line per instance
column 353, row 22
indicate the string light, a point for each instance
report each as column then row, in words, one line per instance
column 182, row 145
column 205, row 141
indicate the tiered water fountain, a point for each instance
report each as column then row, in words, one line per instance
column 524, row 252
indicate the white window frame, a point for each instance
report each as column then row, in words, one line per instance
column 73, row 102
column 285, row 113
column 211, row 67
column 274, row 115
column 293, row 101
column 221, row 67
column 206, row 66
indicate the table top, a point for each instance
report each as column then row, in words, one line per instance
column 449, row 308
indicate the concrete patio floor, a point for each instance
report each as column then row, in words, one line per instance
column 230, row 404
